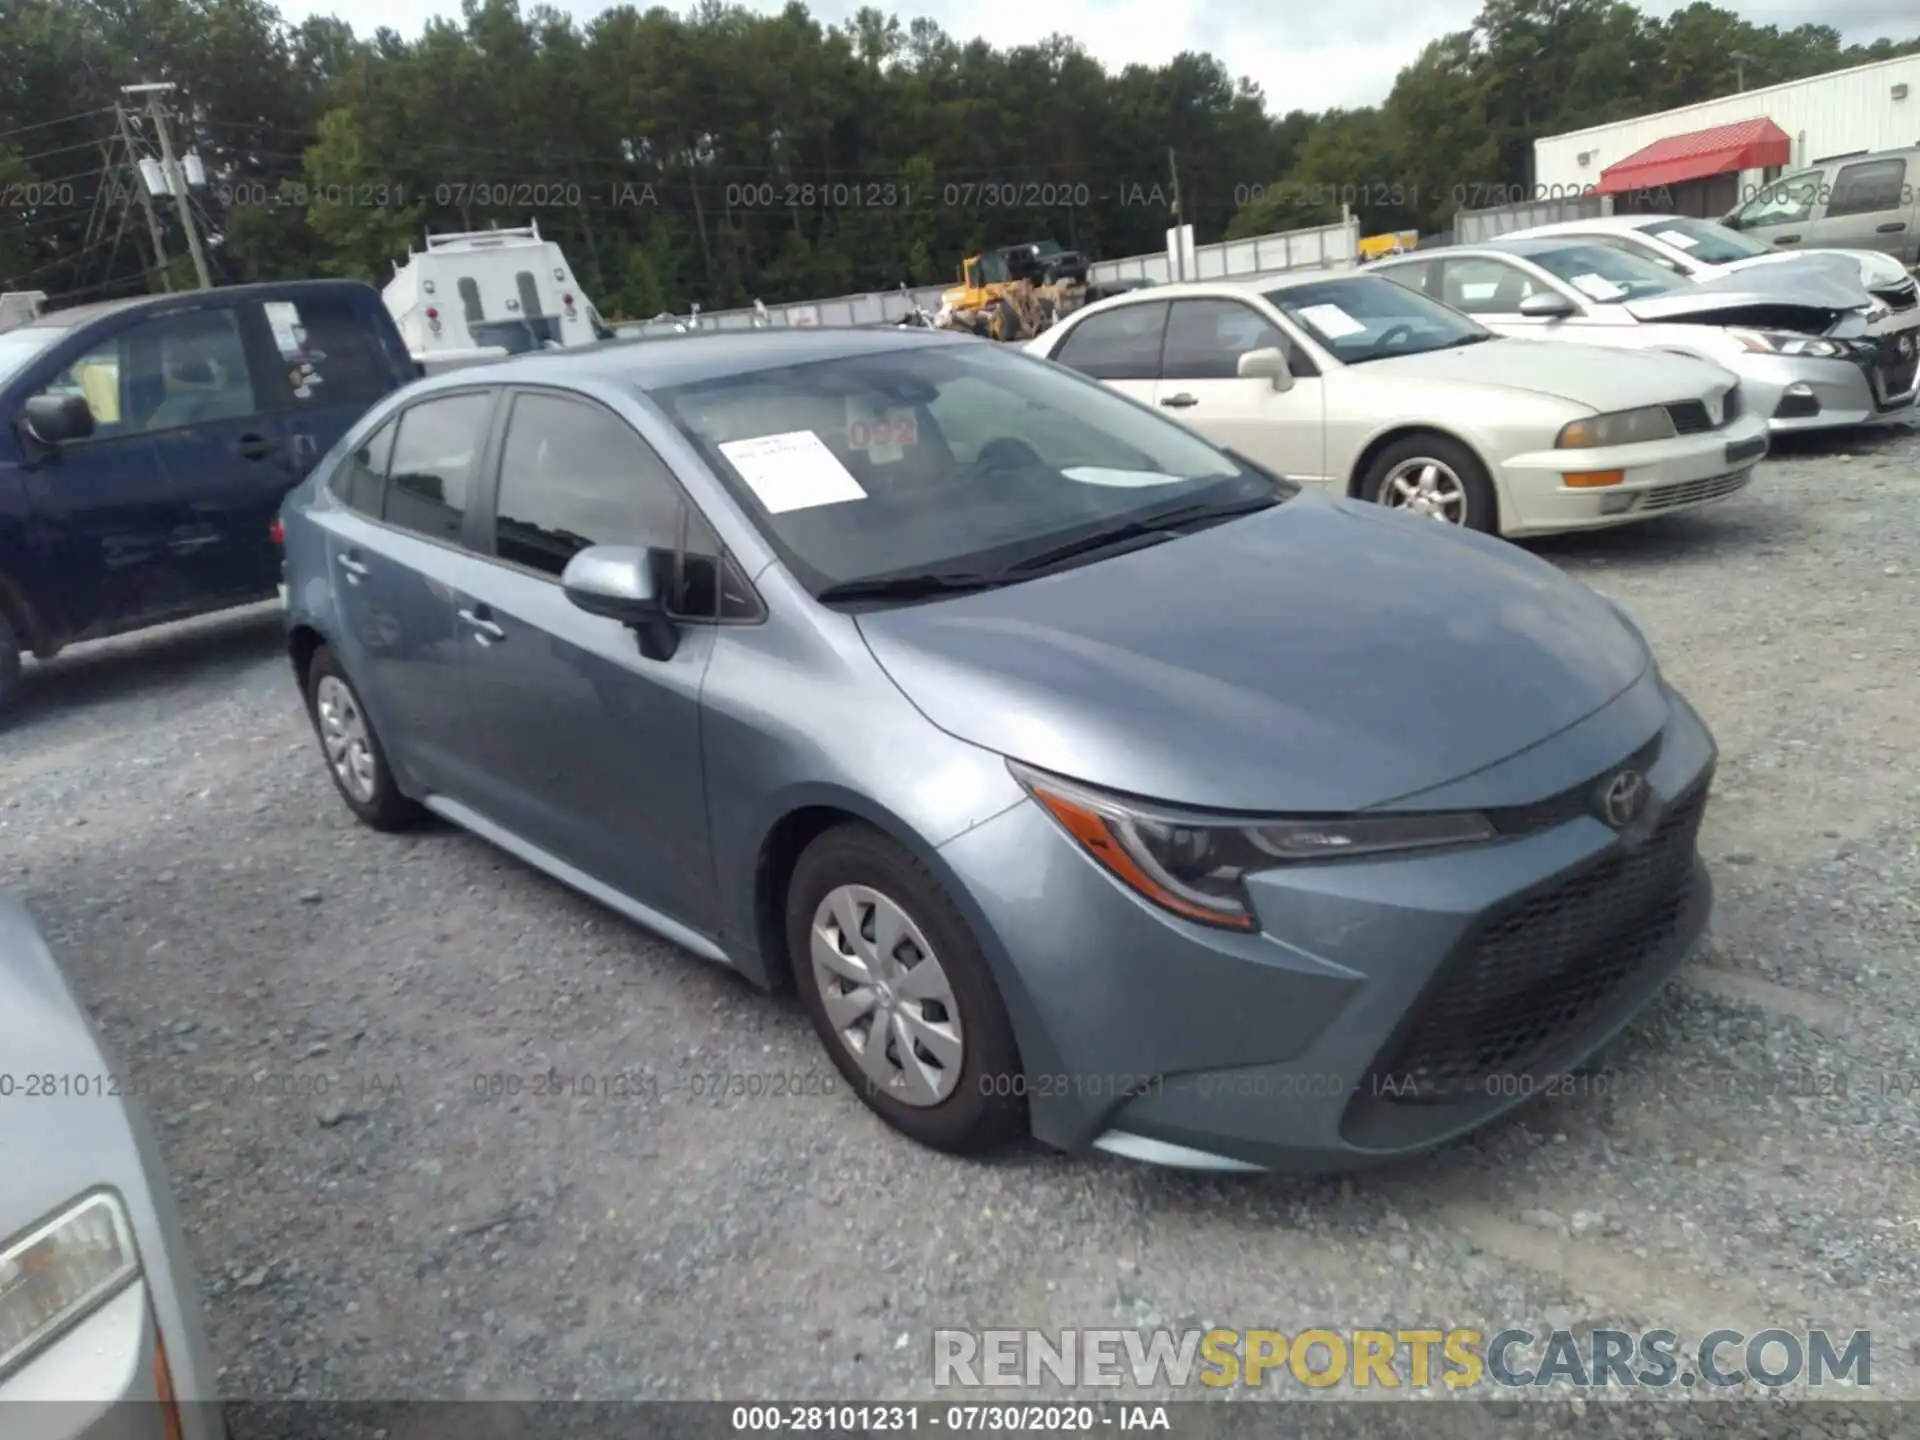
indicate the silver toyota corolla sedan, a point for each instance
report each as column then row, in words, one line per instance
column 1087, row 779
column 100, row 1332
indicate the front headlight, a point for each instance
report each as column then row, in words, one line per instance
column 1194, row 864
column 60, row 1272
column 1622, row 427
column 1783, row 342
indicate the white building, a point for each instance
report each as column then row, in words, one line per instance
column 1712, row 156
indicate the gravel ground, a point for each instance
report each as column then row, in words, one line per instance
column 164, row 813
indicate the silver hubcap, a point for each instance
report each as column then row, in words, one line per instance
column 1426, row 487
column 887, row 998
column 343, row 732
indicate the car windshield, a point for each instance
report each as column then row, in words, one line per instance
column 1607, row 275
column 1705, row 241
column 947, row 460
column 18, row 347
column 1369, row 318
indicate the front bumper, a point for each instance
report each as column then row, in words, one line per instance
column 1661, row 477
column 1799, row 394
column 1386, row 1006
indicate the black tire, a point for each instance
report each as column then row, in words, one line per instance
column 1482, row 506
column 986, row 1108
column 384, row 808
column 9, row 664
column 1006, row 321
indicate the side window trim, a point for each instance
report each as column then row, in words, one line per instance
column 487, row 499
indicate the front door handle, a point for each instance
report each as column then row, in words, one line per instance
column 1892, row 227
column 1180, row 401
column 356, row 572
column 485, row 631
column 1786, row 239
column 254, row 447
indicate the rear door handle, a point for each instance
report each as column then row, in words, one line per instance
column 356, row 571
column 255, row 447
column 485, row 631
column 1786, row 239
column 1180, row 401
column 1892, row 227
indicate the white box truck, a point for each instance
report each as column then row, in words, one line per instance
column 481, row 294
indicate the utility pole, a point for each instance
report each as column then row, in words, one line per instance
column 146, row 200
column 176, row 178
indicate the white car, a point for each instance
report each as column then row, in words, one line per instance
column 1707, row 250
column 1801, row 349
column 1357, row 385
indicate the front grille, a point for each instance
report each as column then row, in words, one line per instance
column 1692, row 492
column 1689, row 417
column 1529, row 976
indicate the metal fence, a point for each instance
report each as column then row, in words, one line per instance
column 1318, row 247
column 1470, row 227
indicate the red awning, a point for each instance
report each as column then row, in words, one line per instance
column 1748, row 145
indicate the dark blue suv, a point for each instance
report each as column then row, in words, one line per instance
column 146, row 445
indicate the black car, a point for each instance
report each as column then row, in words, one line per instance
column 146, row 445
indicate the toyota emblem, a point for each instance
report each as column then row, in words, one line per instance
column 1624, row 797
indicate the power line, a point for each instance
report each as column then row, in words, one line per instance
column 63, row 120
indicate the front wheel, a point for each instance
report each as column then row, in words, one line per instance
column 9, row 663
column 1433, row 476
column 901, row 994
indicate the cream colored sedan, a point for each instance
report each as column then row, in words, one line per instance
column 1360, row 386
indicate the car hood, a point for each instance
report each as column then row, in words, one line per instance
column 1320, row 657
column 1869, row 267
column 1811, row 297
column 1588, row 375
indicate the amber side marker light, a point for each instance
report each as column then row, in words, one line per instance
column 1091, row 829
column 1593, row 479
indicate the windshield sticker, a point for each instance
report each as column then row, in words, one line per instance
column 792, row 471
column 1331, row 321
column 1596, row 287
column 1121, row 479
column 885, row 437
column 1676, row 238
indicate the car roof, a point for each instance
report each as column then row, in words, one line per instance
column 1593, row 222
column 1526, row 246
column 75, row 315
column 650, row 362
column 1216, row 289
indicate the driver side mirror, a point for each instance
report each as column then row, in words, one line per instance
column 57, row 419
column 1268, row 363
column 1546, row 305
column 619, row 582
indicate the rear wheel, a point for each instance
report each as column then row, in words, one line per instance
column 355, row 760
column 901, row 994
column 1434, row 476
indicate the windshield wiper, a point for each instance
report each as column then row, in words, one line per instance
column 1161, row 525
column 913, row 585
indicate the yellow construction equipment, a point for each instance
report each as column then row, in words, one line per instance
column 1017, row 291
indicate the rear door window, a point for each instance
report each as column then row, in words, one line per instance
column 431, row 471
column 360, row 482
column 1118, row 344
column 1870, row 187
column 328, row 355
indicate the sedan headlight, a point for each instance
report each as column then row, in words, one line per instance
column 1785, row 342
column 1622, row 427
column 60, row 1272
column 1193, row 864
